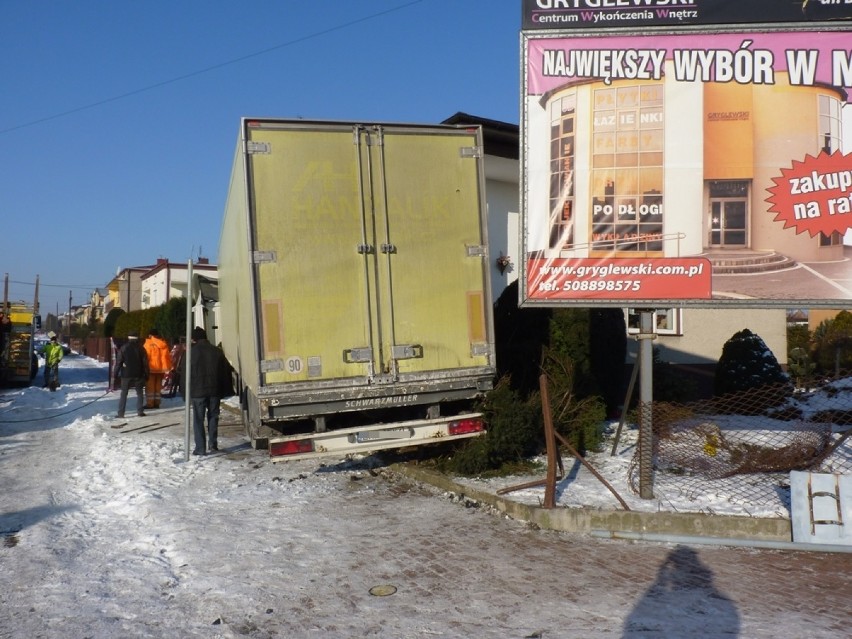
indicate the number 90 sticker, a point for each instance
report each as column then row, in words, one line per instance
column 293, row 365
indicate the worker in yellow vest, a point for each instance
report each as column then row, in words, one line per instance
column 52, row 356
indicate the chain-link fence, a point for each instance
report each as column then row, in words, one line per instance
column 744, row 445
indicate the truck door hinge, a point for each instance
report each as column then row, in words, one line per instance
column 470, row 151
column 378, row 136
column 263, row 257
column 365, row 249
column 476, row 250
column 388, row 248
column 258, row 148
column 372, row 136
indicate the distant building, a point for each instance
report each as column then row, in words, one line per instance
column 96, row 304
column 167, row 280
column 139, row 287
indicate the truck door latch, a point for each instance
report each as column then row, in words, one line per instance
column 407, row 351
column 358, row 355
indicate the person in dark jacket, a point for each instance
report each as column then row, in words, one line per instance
column 131, row 366
column 207, row 364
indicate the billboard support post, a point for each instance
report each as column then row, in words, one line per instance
column 646, row 394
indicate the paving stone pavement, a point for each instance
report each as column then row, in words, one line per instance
column 461, row 569
column 469, row 573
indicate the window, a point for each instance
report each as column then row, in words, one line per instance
column 562, row 171
column 829, row 124
column 833, row 239
column 627, row 168
column 667, row 321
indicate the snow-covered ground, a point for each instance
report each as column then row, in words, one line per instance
column 684, row 488
column 765, row 495
column 109, row 532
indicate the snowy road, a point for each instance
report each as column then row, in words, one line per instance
column 108, row 533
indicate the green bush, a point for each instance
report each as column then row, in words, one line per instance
column 520, row 335
column 110, row 321
column 570, row 340
column 582, row 353
column 749, row 369
column 578, row 419
column 516, row 424
column 746, row 363
column 608, row 351
column 515, row 430
column 171, row 320
column 669, row 384
column 798, row 336
column 833, row 344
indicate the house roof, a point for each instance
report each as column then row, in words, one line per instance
column 500, row 138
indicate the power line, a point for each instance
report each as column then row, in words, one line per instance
column 205, row 70
column 72, row 286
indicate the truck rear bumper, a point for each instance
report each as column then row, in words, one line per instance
column 287, row 403
column 366, row 439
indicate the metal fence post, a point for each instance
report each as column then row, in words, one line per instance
column 646, row 393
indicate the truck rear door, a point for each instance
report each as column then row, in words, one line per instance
column 368, row 249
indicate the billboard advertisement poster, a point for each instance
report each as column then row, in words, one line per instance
column 597, row 14
column 707, row 168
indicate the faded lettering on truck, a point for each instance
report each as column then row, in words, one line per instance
column 371, row 402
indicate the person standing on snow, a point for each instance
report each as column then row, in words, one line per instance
column 52, row 357
column 159, row 363
column 207, row 367
column 131, row 367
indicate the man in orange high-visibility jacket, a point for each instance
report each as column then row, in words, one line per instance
column 159, row 363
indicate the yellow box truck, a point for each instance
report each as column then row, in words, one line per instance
column 18, row 360
column 354, row 285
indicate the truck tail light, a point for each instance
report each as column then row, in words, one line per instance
column 465, row 426
column 295, row 447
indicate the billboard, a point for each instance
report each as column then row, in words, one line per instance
column 597, row 14
column 691, row 167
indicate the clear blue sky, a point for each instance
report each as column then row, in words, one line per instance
column 119, row 119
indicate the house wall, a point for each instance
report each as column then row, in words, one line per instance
column 705, row 331
column 169, row 281
column 503, row 223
